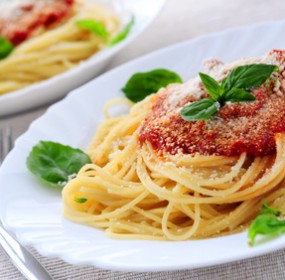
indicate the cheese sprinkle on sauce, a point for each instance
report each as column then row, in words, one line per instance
column 237, row 128
column 21, row 19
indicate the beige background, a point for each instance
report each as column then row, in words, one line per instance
column 179, row 20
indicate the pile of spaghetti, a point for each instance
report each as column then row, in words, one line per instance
column 157, row 176
column 47, row 39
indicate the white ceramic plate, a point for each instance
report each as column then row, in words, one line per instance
column 59, row 85
column 33, row 211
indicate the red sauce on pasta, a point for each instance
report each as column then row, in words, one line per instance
column 238, row 127
column 19, row 21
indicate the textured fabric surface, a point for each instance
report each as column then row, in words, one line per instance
column 267, row 267
column 178, row 21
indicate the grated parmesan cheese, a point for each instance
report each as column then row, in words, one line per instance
column 236, row 128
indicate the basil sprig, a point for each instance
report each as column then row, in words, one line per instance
column 234, row 88
column 143, row 84
column 94, row 26
column 123, row 34
column 267, row 223
column 55, row 163
column 6, row 47
column 100, row 30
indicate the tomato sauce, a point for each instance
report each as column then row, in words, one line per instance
column 237, row 127
column 19, row 22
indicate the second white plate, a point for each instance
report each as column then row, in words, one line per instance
column 56, row 87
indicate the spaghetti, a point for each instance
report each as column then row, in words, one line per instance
column 55, row 48
column 138, row 189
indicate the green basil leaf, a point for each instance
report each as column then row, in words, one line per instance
column 6, row 47
column 212, row 86
column 238, row 95
column 94, row 26
column 80, row 199
column 266, row 209
column 265, row 224
column 234, row 88
column 54, row 163
column 141, row 85
column 123, row 34
column 200, row 110
column 248, row 76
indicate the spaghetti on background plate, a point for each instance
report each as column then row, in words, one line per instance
column 158, row 176
column 48, row 39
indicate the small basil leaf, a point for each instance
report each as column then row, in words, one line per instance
column 248, row 76
column 55, row 163
column 94, row 26
column 200, row 110
column 212, row 86
column 6, row 47
column 141, row 85
column 123, row 34
column 238, row 95
column 265, row 224
column 80, row 199
column 266, row 209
